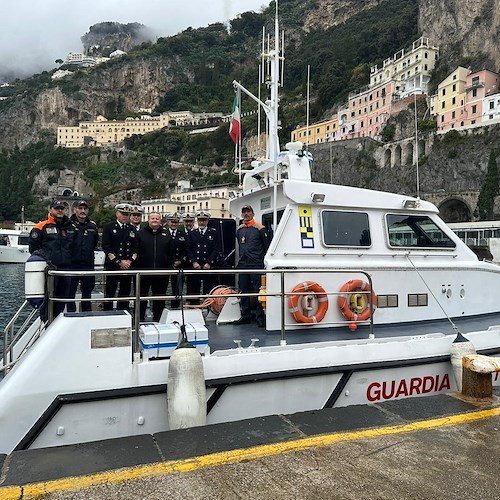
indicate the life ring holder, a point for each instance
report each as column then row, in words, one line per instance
column 355, row 306
column 296, row 304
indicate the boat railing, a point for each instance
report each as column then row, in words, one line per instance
column 226, row 275
column 12, row 337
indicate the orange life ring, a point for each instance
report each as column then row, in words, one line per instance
column 354, row 307
column 294, row 300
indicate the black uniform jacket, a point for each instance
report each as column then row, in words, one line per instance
column 119, row 243
column 179, row 243
column 54, row 240
column 204, row 248
column 86, row 239
column 155, row 249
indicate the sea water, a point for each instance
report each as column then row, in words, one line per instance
column 11, row 294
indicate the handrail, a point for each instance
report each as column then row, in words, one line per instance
column 10, row 340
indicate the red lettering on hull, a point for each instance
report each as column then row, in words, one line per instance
column 383, row 391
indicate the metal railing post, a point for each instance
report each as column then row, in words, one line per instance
column 137, row 316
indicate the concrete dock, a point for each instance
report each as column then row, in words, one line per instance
column 440, row 447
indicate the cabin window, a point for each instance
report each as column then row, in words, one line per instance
column 346, row 228
column 23, row 240
column 416, row 231
column 384, row 301
column 417, row 300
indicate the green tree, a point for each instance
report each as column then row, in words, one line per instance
column 489, row 190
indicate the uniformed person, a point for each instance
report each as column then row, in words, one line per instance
column 53, row 240
column 203, row 251
column 136, row 212
column 188, row 221
column 86, row 239
column 120, row 243
column 253, row 242
column 179, row 247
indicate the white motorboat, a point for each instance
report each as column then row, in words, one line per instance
column 366, row 295
column 13, row 246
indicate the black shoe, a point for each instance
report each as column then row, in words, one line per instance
column 261, row 323
column 242, row 321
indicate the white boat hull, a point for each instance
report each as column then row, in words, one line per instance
column 78, row 383
column 13, row 255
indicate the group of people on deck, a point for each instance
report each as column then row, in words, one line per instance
column 68, row 243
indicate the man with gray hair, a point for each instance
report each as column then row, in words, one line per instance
column 155, row 252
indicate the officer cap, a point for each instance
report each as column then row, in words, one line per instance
column 80, row 203
column 136, row 209
column 202, row 214
column 173, row 216
column 58, row 203
column 247, row 207
column 124, row 208
column 188, row 216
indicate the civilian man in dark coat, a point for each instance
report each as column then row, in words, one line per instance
column 120, row 243
column 53, row 240
column 203, row 252
column 155, row 248
column 86, row 239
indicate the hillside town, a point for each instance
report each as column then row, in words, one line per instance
column 463, row 100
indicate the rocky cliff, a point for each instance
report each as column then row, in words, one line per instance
column 104, row 38
column 463, row 29
column 459, row 27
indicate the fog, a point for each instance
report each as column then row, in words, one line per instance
column 37, row 32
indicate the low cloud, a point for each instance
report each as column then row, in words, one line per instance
column 37, row 32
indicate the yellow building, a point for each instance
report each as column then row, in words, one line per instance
column 316, row 133
column 103, row 131
column 450, row 99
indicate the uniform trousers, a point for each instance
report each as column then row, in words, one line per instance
column 250, row 283
column 158, row 286
column 87, row 284
column 124, row 286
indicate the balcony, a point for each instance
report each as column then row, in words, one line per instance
column 475, row 85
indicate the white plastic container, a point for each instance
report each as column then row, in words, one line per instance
column 159, row 340
column 34, row 279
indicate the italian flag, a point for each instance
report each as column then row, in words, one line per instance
column 235, row 126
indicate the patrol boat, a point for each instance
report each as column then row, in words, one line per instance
column 366, row 295
column 13, row 246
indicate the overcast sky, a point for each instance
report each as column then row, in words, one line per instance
column 34, row 33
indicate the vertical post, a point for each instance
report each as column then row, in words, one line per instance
column 50, row 302
column 416, row 145
column 282, row 279
column 137, row 317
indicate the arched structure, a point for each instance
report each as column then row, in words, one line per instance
column 455, row 210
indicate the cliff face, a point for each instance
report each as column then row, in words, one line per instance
column 459, row 27
column 128, row 85
column 104, row 38
column 328, row 13
column 463, row 28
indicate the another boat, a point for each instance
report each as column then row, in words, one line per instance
column 13, row 246
column 367, row 294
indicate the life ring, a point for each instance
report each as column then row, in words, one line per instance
column 356, row 306
column 298, row 303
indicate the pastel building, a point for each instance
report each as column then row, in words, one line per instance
column 215, row 199
column 323, row 131
column 466, row 100
column 404, row 74
column 102, row 131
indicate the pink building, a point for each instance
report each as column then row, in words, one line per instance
column 478, row 85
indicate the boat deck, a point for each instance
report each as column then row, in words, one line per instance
column 222, row 336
